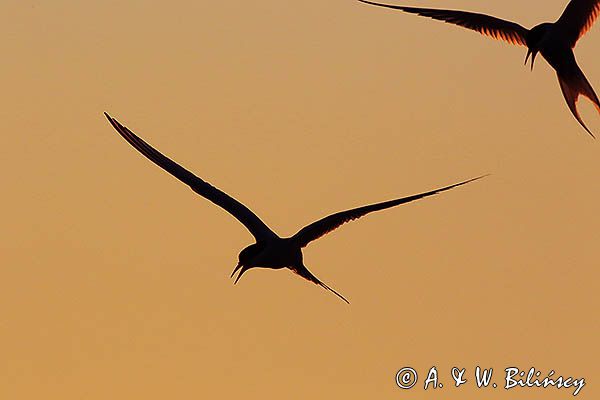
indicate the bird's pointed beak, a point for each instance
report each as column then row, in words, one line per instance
column 533, row 59
column 237, row 267
column 242, row 270
column 533, row 54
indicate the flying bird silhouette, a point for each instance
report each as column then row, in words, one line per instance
column 554, row 40
column 270, row 250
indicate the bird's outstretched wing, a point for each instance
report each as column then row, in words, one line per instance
column 578, row 18
column 486, row 25
column 258, row 228
column 306, row 274
column 328, row 224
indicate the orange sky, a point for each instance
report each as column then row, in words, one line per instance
column 115, row 277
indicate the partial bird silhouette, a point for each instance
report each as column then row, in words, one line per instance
column 555, row 41
column 270, row 250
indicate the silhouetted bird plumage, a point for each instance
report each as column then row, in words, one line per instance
column 270, row 250
column 555, row 41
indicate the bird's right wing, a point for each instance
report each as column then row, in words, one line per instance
column 485, row 24
column 258, row 228
column 578, row 18
column 334, row 221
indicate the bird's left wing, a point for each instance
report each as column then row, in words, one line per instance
column 243, row 214
column 496, row 28
column 578, row 18
column 328, row 224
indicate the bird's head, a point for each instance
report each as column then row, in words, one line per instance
column 534, row 39
column 246, row 258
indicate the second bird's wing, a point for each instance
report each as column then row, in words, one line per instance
column 578, row 18
column 485, row 24
column 254, row 224
column 334, row 221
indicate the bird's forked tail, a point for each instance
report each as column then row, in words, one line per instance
column 574, row 84
column 306, row 274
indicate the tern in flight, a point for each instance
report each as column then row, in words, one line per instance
column 554, row 40
column 270, row 250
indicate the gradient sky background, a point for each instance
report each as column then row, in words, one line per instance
column 115, row 277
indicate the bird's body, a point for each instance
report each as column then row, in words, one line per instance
column 553, row 40
column 555, row 49
column 270, row 250
column 273, row 253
